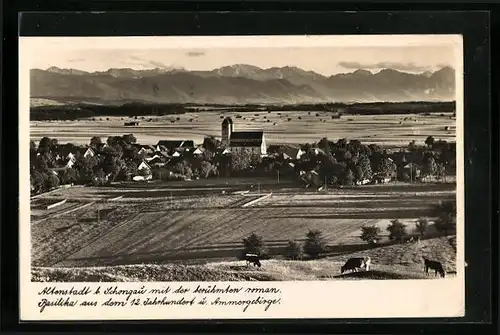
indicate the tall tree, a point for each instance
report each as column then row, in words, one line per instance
column 364, row 163
column 129, row 139
column 422, row 226
column 349, row 177
column 254, row 244
column 430, row 167
column 315, row 244
column 210, row 143
column 429, row 141
column 370, row 234
column 95, row 142
column 397, row 230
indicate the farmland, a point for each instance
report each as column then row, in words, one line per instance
column 170, row 223
column 291, row 127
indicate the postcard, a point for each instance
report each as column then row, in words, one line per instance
column 241, row 177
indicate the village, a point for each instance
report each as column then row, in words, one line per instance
column 238, row 153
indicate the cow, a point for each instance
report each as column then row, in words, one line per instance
column 252, row 259
column 353, row 264
column 433, row 265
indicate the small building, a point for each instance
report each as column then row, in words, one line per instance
column 319, row 151
column 64, row 152
column 199, row 151
column 363, row 182
column 176, row 144
column 86, row 152
column 413, row 170
column 70, row 163
column 145, row 149
column 285, row 152
column 149, row 159
column 145, row 171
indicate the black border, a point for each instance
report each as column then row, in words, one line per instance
column 479, row 195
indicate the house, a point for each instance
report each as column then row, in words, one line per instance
column 86, row 152
column 200, row 150
column 175, row 144
column 64, row 152
column 242, row 141
column 145, row 149
column 70, row 163
column 412, row 170
column 286, row 152
column 363, row 182
column 145, row 171
column 299, row 153
column 159, row 159
column 381, row 178
column 149, row 159
column 157, row 162
column 102, row 146
column 161, row 148
column 319, row 151
column 164, row 155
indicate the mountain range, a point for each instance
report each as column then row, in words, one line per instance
column 241, row 84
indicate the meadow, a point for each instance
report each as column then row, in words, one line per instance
column 292, row 127
column 197, row 229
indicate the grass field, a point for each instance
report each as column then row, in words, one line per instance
column 388, row 130
column 401, row 261
column 162, row 224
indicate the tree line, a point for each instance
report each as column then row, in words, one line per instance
column 82, row 110
column 340, row 163
column 315, row 245
column 79, row 111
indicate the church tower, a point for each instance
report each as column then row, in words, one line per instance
column 227, row 129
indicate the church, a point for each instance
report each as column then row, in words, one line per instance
column 238, row 141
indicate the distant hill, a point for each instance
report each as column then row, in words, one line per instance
column 242, row 84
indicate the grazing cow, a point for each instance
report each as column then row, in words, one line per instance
column 252, row 259
column 433, row 265
column 353, row 264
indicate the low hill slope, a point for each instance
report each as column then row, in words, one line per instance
column 400, row 261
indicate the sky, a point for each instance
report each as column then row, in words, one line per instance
column 321, row 57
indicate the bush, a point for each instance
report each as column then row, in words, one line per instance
column 447, row 216
column 422, row 226
column 397, row 230
column 293, row 251
column 445, row 225
column 315, row 243
column 370, row 234
column 254, row 244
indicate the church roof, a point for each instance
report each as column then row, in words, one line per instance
column 246, row 138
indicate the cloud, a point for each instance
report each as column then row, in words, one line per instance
column 76, row 60
column 410, row 67
column 195, row 53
